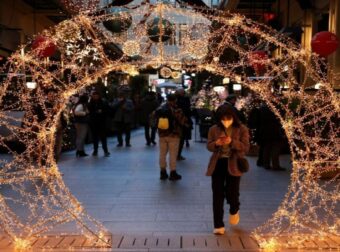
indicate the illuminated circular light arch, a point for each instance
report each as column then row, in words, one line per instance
column 91, row 51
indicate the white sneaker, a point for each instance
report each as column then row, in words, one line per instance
column 234, row 219
column 219, row 231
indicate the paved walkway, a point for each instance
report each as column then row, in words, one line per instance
column 124, row 192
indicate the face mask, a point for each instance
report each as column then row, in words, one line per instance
column 227, row 122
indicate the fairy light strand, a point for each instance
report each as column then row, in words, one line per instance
column 310, row 206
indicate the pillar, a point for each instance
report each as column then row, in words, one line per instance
column 334, row 27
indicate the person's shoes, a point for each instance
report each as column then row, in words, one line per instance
column 81, row 154
column 148, row 144
column 278, row 168
column 187, row 144
column 153, row 142
column 219, row 231
column 95, row 153
column 180, row 158
column 119, row 145
column 164, row 175
column 128, row 145
column 259, row 163
column 107, row 154
column 267, row 167
column 174, row 176
column 234, row 219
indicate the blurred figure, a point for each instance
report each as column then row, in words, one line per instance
column 270, row 137
column 81, row 119
column 148, row 105
column 98, row 113
column 123, row 118
column 183, row 102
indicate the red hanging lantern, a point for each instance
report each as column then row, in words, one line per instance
column 324, row 43
column 257, row 60
column 44, row 47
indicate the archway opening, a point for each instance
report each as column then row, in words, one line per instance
column 92, row 45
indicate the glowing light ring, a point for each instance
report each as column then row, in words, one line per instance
column 310, row 121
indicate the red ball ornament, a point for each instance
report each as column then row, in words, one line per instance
column 256, row 60
column 44, row 47
column 324, row 43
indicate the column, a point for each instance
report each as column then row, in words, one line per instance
column 334, row 27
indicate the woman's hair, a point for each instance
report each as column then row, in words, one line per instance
column 83, row 99
column 226, row 111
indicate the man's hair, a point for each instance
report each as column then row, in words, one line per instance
column 171, row 97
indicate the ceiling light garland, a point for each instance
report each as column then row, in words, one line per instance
column 37, row 200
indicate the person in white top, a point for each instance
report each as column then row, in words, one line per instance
column 81, row 116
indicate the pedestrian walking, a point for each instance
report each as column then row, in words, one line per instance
column 123, row 118
column 228, row 139
column 81, row 123
column 270, row 137
column 98, row 114
column 183, row 102
column 148, row 105
column 170, row 120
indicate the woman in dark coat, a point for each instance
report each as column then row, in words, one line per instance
column 228, row 139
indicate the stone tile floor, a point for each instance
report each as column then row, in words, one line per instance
column 124, row 192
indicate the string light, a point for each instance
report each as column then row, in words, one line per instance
column 309, row 120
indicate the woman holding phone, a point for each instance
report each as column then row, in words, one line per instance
column 228, row 139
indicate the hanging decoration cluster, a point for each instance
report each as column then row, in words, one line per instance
column 91, row 45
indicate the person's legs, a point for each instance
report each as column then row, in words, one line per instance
column 119, row 127
column 147, row 134
column 58, row 143
column 153, row 135
column 103, row 139
column 267, row 150
column 217, row 184
column 81, row 129
column 180, row 148
column 259, row 161
column 163, row 150
column 173, row 151
column 127, row 134
column 232, row 192
column 95, row 138
column 275, row 155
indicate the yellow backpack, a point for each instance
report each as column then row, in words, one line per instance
column 163, row 123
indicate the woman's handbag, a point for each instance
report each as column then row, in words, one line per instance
column 242, row 164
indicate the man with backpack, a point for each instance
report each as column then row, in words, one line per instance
column 170, row 121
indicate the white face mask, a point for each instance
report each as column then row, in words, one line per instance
column 227, row 122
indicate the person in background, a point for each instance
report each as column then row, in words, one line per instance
column 270, row 137
column 123, row 118
column 228, row 139
column 52, row 106
column 81, row 120
column 169, row 138
column 183, row 102
column 231, row 100
column 148, row 105
column 98, row 113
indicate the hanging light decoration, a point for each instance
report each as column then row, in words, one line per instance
column 131, row 48
column 159, row 29
column 165, row 72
